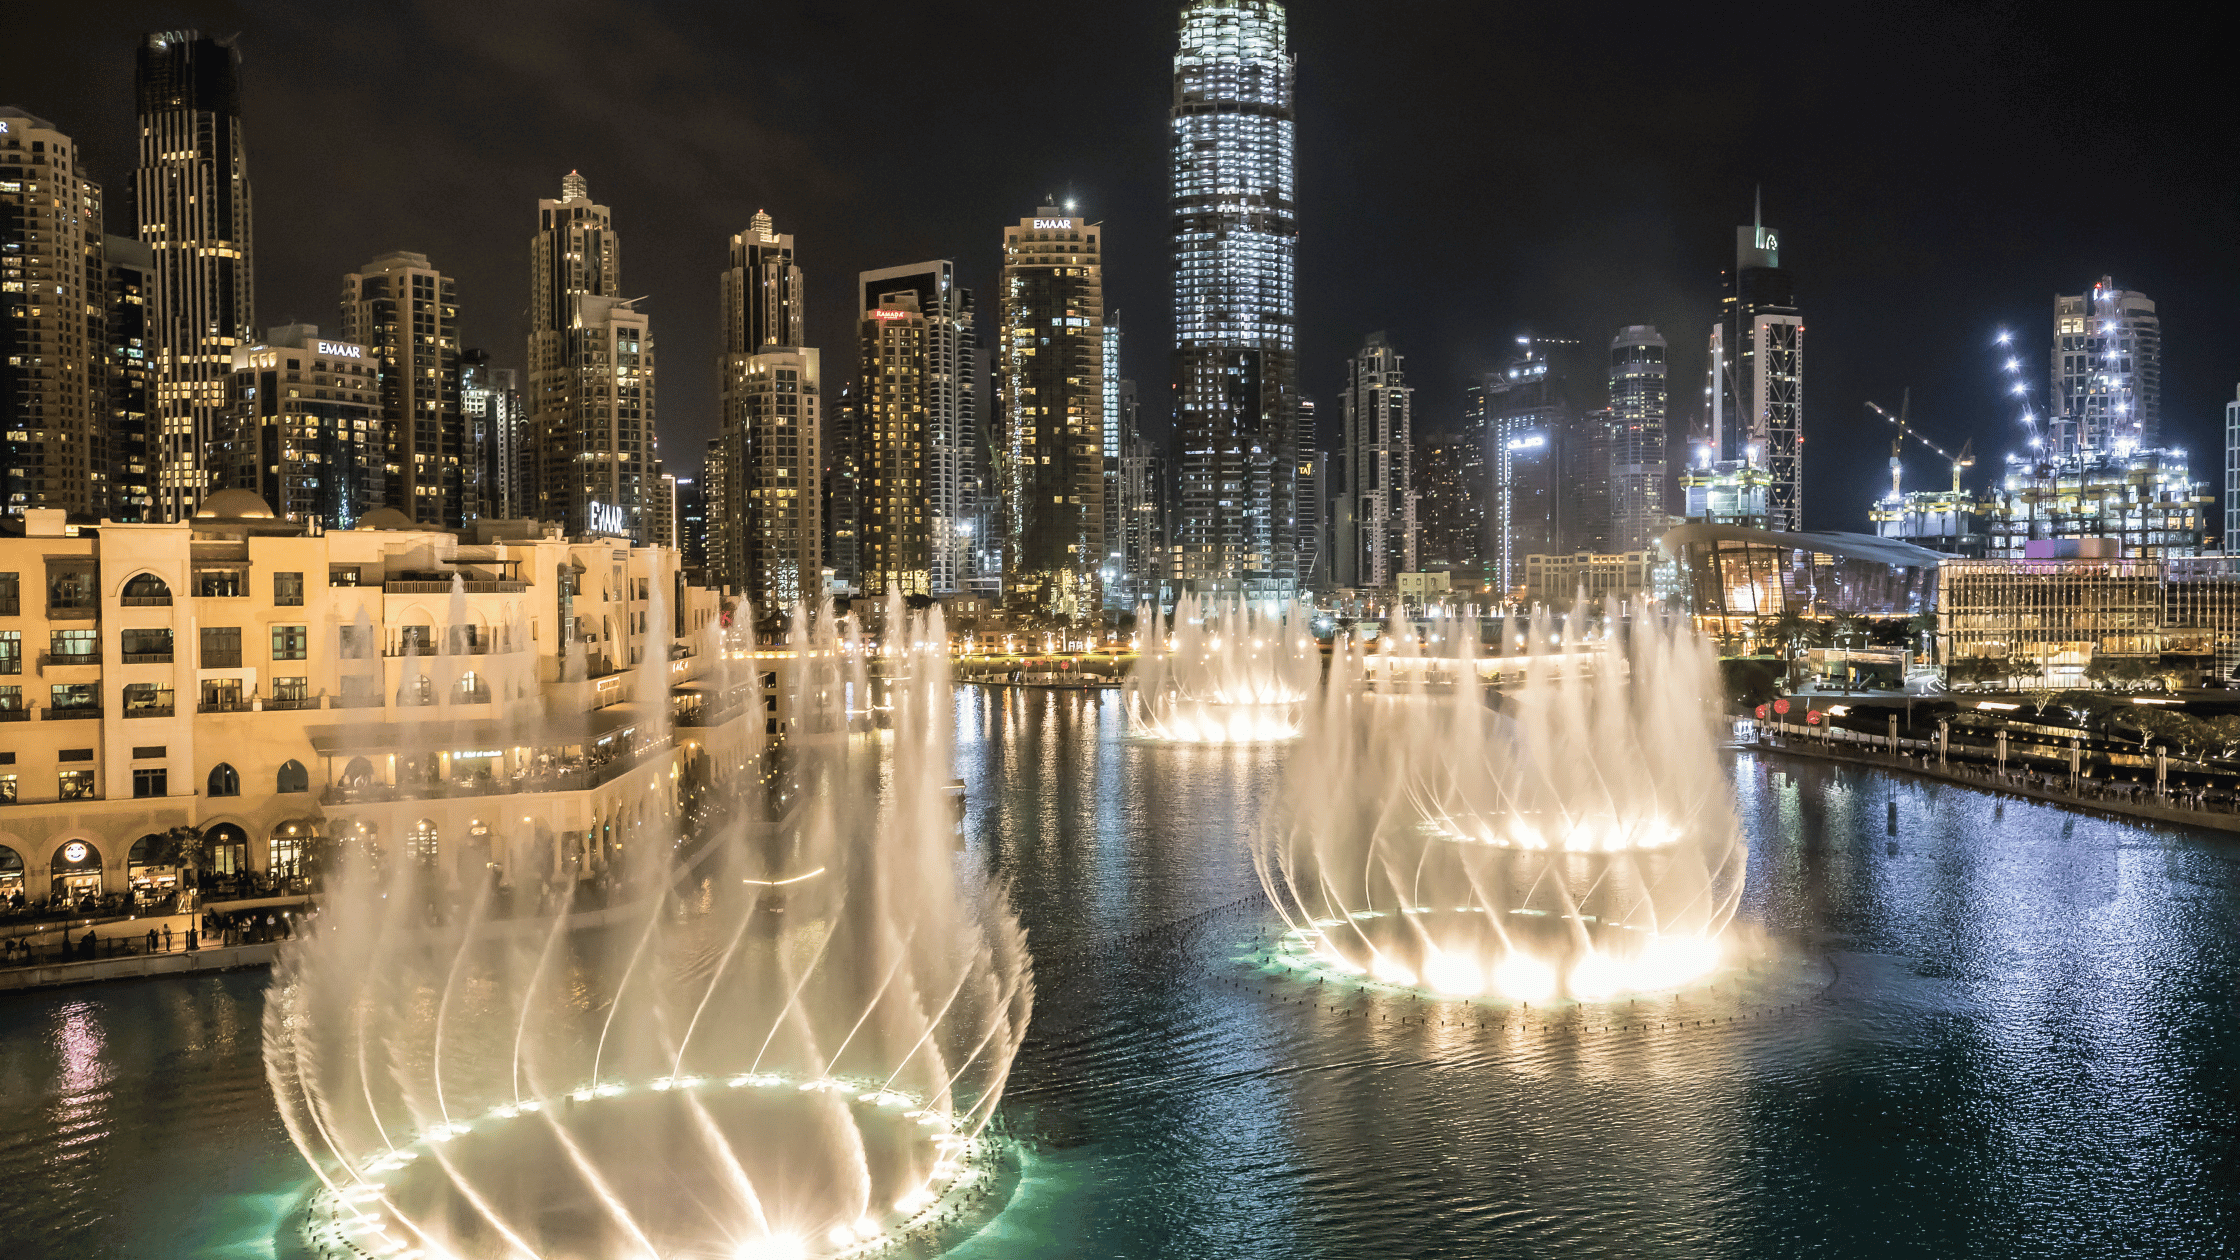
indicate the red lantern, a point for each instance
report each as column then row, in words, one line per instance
column 1761, row 713
column 1812, row 718
column 1781, row 705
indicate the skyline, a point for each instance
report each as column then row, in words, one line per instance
column 1596, row 216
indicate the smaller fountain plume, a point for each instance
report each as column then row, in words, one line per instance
column 1573, row 838
column 1226, row 672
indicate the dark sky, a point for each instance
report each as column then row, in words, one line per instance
column 1465, row 172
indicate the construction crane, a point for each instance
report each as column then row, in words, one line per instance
column 1966, row 459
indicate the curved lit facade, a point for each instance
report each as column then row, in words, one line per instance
column 1732, row 578
column 1235, row 239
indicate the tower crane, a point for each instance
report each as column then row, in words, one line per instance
column 1966, row 459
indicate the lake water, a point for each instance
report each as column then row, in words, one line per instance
column 1982, row 1028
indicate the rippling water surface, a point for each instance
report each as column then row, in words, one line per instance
column 2015, row 1031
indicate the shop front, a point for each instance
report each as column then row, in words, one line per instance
column 76, row 871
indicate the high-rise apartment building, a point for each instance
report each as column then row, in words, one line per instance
column 692, row 524
column 842, row 496
column 494, row 461
column 1447, row 531
column 1235, row 242
column 53, row 329
column 1051, row 369
column 594, row 453
column 762, row 296
column 1113, row 566
column 1147, row 553
column 1527, row 420
column 2231, row 540
column 1310, row 515
column 772, row 460
column 131, row 270
column 305, row 428
column 2107, row 372
column 1638, row 470
column 770, row 451
column 405, row 313
column 1379, row 491
column 191, row 193
column 1755, row 386
column 918, row 429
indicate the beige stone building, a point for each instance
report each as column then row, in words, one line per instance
column 508, row 703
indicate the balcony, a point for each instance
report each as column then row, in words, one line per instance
column 74, row 610
column 146, row 658
column 292, row 702
column 15, row 715
column 47, row 659
column 144, row 601
column 472, row 587
column 150, row 711
column 76, row 714
column 223, row 706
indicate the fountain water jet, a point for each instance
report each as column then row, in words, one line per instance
column 783, row 1041
column 1575, row 839
column 1228, row 672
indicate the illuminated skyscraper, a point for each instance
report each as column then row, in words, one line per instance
column 2107, row 371
column 770, row 531
column 594, row 454
column 1379, row 490
column 406, row 314
column 1637, row 439
column 1051, row 373
column 52, row 325
column 493, row 463
column 1527, row 420
column 192, row 195
column 1755, row 385
column 131, row 268
column 1235, row 238
column 918, row 429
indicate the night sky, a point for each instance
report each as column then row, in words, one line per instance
column 1466, row 172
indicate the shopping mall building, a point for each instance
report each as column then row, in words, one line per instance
column 504, row 703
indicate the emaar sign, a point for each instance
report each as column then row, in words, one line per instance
column 609, row 518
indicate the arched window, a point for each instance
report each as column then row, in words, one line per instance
column 11, row 872
column 224, row 781
column 146, row 590
column 417, row 690
column 225, row 850
column 358, row 774
column 470, row 690
column 293, row 777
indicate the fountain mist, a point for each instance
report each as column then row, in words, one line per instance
column 1227, row 672
column 1574, row 838
column 782, row 1041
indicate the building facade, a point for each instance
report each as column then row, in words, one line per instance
column 772, row 457
column 1739, row 582
column 2107, row 371
column 1053, row 371
column 405, row 313
column 494, row 463
column 1235, row 243
column 53, row 324
column 1638, row 460
column 1528, row 420
column 762, row 295
column 2143, row 499
column 918, row 429
column 595, row 455
column 1379, row 488
column 1755, row 385
column 304, row 429
column 191, row 191
column 1557, row 581
column 131, row 276
column 518, row 705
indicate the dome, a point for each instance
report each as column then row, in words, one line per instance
column 386, row 518
column 234, row 505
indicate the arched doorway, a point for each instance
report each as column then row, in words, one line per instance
column 478, row 858
column 148, row 867
column 225, row 851
column 76, row 870
column 11, row 876
column 289, row 842
column 420, row 844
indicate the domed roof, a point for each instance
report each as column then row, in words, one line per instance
column 386, row 518
column 234, row 505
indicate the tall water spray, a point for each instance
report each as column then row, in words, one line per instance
column 1227, row 672
column 781, row 1040
column 1551, row 823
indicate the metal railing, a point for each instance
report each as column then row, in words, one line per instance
column 73, row 714
column 292, row 702
column 70, row 658
column 144, row 601
column 146, row 658
column 471, row 587
column 149, row 710
column 15, row 715
column 222, row 706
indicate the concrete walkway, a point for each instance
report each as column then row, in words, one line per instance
column 2133, row 811
column 55, row 975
